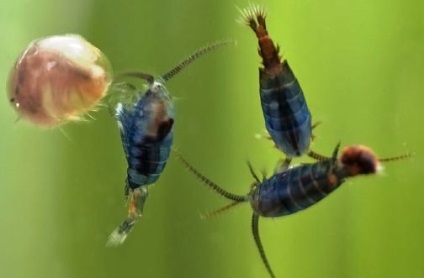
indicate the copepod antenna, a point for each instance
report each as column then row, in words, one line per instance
column 193, row 57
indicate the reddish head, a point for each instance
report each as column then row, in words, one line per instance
column 359, row 160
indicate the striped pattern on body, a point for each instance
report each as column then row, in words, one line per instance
column 286, row 114
column 147, row 135
column 297, row 188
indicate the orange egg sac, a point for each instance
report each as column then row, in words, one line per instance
column 58, row 79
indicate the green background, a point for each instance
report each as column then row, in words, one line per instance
column 360, row 64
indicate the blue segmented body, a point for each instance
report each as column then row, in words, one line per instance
column 147, row 134
column 286, row 113
column 297, row 188
column 146, row 128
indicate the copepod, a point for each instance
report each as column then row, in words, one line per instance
column 58, row 79
column 297, row 188
column 146, row 128
column 286, row 113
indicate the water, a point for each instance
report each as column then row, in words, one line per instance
column 360, row 65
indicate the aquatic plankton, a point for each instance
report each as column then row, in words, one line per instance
column 286, row 113
column 58, row 79
column 146, row 129
column 297, row 188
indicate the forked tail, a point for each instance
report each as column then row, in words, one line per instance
column 135, row 208
column 119, row 235
column 254, row 16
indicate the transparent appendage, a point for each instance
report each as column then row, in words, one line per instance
column 137, row 199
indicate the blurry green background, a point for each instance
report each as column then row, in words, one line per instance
column 361, row 66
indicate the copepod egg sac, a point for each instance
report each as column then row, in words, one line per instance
column 58, row 79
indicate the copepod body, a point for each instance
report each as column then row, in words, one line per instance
column 146, row 128
column 286, row 113
column 297, row 188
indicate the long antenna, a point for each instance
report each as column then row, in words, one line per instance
column 200, row 52
column 252, row 172
column 217, row 212
column 255, row 231
column 208, row 182
column 317, row 156
column 141, row 75
column 395, row 158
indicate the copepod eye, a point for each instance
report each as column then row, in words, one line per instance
column 58, row 79
column 156, row 87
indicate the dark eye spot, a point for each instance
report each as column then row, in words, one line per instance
column 12, row 99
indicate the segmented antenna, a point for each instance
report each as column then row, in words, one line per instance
column 252, row 172
column 208, row 182
column 396, row 158
column 141, row 75
column 217, row 212
column 317, row 156
column 255, row 231
column 122, row 86
column 335, row 152
column 194, row 57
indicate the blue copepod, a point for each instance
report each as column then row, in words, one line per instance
column 297, row 188
column 58, row 79
column 286, row 113
column 146, row 129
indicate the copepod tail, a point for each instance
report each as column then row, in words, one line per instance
column 193, row 57
column 118, row 236
column 137, row 199
column 254, row 16
column 250, row 14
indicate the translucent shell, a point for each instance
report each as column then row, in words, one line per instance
column 58, row 79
